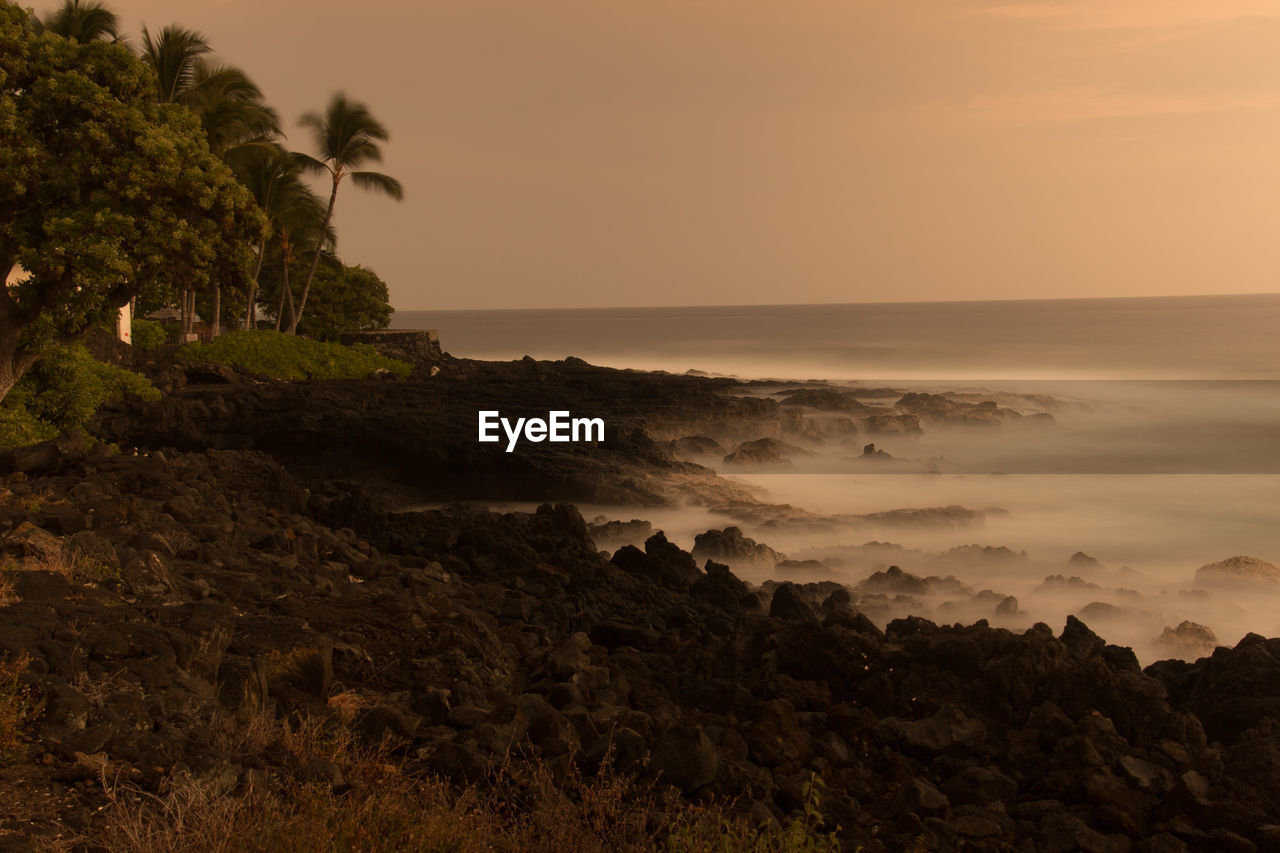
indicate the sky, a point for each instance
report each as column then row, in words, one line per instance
column 593, row 153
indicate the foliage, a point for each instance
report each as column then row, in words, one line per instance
column 148, row 334
column 524, row 805
column 283, row 356
column 810, row 833
column 68, row 385
column 81, row 21
column 343, row 299
column 346, row 137
column 105, row 192
column 18, row 427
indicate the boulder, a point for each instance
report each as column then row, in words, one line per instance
column 1249, row 572
column 1188, row 641
column 731, row 546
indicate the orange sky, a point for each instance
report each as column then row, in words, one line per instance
column 665, row 152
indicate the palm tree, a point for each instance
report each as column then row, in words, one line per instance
column 346, row 137
column 231, row 109
column 175, row 56
column 82, row 22
column 300, row 224
column 272, row 176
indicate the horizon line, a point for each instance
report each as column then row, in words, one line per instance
column 979, row 300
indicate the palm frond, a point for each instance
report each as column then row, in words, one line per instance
column 174, row 55
column 378, row 182
column 82, row 22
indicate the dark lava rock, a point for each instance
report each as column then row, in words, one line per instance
column 731, row 546
column 696, row 445
column 764, row 451
column 661, row 561
column 826, row 400
column 1082, row 562
column 1188, row 641
column 891, row 424
column 788, row 604
column 611, row 534
column 894, row 581
column 1248, row 572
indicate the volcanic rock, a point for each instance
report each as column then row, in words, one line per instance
column 1240, row 571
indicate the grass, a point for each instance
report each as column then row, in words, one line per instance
column 66, row 560
column 282, row 356
column 525, row 805
column 15, row 707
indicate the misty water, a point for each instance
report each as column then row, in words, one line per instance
column 1163, row 454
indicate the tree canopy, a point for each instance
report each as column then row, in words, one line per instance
column 343, row 299
column 104, row 191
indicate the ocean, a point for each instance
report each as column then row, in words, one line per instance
column 1181, row 337
column 1165, row 453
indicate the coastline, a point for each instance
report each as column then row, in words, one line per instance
column 250, row 561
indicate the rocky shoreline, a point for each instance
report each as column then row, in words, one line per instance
column 254, row 556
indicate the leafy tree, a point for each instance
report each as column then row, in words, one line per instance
column 346, row 137
column 103, row 191
column 230, row 107
column 82, row 22
column 345, row 299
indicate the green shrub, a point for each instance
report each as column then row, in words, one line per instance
column 148, row 334
column 18, row 427
column 282, row 356
column 61, row 392
column 67, row 385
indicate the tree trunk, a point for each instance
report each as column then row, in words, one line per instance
column 15, row 359
column 315, row 261
column 286, row 254
column 249, row 312
column 215, row 326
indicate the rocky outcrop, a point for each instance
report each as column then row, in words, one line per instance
column 764, row 451
column 157, row 592
column 1240, row 572
column 731, row 546
column 827, row 400
column 947, row 409
column 1188, row 641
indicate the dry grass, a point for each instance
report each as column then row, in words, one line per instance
column 15, row 706
column 8, row 588
column 98, row 691
column 78, row 568
column 524, row 806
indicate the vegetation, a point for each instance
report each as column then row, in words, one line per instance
column 18, row 427
column 346, row 137
column 68, row 385
column 106, row 193
column 524, row 806
column 158, row 178
column 15, row 706
column 343, row 299
column 148, row 334
column 281, row 356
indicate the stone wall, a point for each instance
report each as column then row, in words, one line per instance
column 414, row 345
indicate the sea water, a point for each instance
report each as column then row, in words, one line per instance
column 1165, row 454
